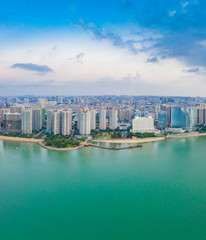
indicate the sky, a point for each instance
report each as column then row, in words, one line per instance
column 121, row 47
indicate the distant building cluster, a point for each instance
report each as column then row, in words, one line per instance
column 22, row 120
column 82, row 115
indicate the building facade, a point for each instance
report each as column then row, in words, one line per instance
column 66, row 122
column 26, row 123
column 12, row 122
column 49, row 123
column 189, row 119
column 36, row 119
column 84, row 121
column 93, row 119
column 113, row 118
column 162, row 120
column 177, row 118
column 143, row 124
column 102, row 119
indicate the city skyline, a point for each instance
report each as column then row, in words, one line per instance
column 107, row 48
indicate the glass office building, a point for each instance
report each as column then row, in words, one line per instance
column 177, row 118
column 183, row 118
column 189, row 118
column 162, row 120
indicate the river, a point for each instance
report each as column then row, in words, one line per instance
column 157, row 192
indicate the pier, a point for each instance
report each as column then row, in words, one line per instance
column 112, row 148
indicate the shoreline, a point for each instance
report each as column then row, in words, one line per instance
column 116, row 141
column 128, row 140
column 146, row 140
column 18, row 139
column 187, row 136
column 58, row 149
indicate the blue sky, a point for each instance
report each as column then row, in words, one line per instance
column 151, row 47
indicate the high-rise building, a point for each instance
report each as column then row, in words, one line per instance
column 113, row 118
column 137, row 105
column 36, row 119
column 78, row 119
column 168, row 110
column 84, row 121
column 26, row 122
column 9, row 100
column 92, row 119
column 162, row 120
column 189, row 118
column 145, row 114
column 102, row 119
column 196, row 116
column 2, row 111
column 128, row 114
column 121, row 114
column 177, row 118
column 124, row 114
column 12, row 122
column 157, row 110
column 138, row 113
column 17, row 109
column 60, row 100
column 59, row 122
column 66, row 122
column 42, row 101
column 56, row 122
column 43, row 115
column 200, row 117
column 183, row 118
column 26, row 100
column 49, row 123
column 143, row 124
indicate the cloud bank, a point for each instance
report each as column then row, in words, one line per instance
column 32, row 67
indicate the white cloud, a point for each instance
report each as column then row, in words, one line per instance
column 104, row 65
column 172, row 13
column 184, row 4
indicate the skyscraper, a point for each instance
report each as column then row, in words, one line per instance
column 12, row 122
column 124, row 114
column 102, row 119
column 84, row 121
column 121, row 114
column 17, row 109
column 59, row 122
column 36, row 119
column 60, row 100
column 183, row 118
column 177, row 118
column 168, row 110
column 189, row 118
column 200, row 117
column 113, row 118
column 128, row 114
column 2, row 111
column 93, row 119
column 26, row 123
column 66, row 122
column 49, row 123
column 43, row 114
column 162, row 120
column 56, row 122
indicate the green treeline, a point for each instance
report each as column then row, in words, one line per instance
column 140, row 135
column 59, row 141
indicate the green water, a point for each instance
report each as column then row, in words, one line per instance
column 157, row 192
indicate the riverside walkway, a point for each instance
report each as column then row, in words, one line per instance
column 112, row 148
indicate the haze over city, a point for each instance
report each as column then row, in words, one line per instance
column 104, row 47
